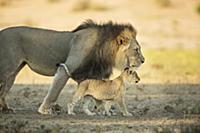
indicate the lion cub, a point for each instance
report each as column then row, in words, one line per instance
column 106, row 91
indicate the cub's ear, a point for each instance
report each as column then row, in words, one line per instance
column 126, row 69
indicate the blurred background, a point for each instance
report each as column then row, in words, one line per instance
column 168, row 31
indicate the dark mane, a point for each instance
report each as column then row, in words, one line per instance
column 109, row 27
column 101, row 59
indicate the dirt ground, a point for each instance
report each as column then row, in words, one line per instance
column 156, row 108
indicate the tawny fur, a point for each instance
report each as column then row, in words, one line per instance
column 105, row 91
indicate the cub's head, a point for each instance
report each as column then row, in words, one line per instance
column 131, row 76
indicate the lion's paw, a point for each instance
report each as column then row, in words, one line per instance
column 52, row 110
column 44, row 111
column 89, row 112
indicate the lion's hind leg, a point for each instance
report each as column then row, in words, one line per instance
column 7, row 79
column 3, row 104
column 4, row 88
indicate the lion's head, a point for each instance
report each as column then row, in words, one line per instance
column 129, row 51
column 116, row 48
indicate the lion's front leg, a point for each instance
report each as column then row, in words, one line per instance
column 59, row 82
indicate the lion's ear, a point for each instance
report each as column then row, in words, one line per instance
column 120, row 40
column 123, row 42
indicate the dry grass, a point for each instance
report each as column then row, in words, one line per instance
column 53, row 1
column 171, row 66
column 198, row 8
column 4, row 3
column 84, row 5
column 29, row 22
column 164, row 3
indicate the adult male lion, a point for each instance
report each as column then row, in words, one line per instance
column 91, row 51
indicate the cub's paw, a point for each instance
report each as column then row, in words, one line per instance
column 127, row 114
column 91, row 113
column 71, row 113
column 88, row 112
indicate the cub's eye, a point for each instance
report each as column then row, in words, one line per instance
column 130, row 72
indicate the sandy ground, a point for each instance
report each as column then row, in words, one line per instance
column 155, row 108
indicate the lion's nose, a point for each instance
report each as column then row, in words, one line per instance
column 142, row 61
column 136, row 81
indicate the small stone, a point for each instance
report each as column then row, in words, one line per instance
column 169, row 109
